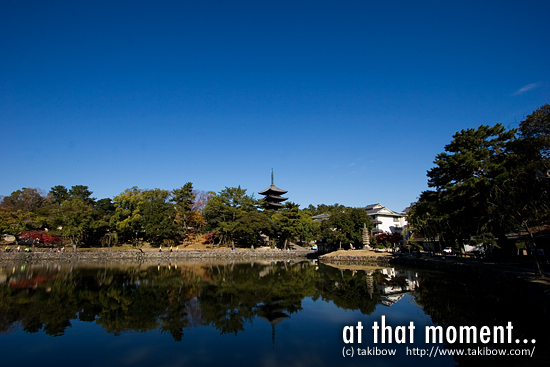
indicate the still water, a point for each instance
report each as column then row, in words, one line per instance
column 250, row 314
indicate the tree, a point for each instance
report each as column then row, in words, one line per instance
column 183, row 200
column 158, row 215
column 26, row 200
column 345, row 226
column 128, row 217
column 103, row 210
column 466, row 177
column 535, row 131
column 524, row 191
column 488, row 183
column 81, row 192
column 229, row 213
column 201, row 199
column 59, row 194
column 146, row 213
column 75, row 218
column 292, row 223
column 388, row 238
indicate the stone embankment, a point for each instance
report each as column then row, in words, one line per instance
column 147, row 256
column 356, row 257
column 356, row 260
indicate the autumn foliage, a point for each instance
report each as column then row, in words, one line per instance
column 41, row 237
column 210, row 237
column 386, row 237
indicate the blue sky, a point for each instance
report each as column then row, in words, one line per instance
column 348, row 101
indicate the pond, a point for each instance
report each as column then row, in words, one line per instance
column 258, row 314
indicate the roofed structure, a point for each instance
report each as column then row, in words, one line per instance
column 385, row 220
column 273, row 195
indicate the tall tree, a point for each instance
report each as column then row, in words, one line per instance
column 488, row 183
column 183, row 200
column 81, row 192
column 75, row 218
column 535, row 130
column 127, row 218
column 26, row 200
column 466, row 177
column 158, row 215
column 345, row 227
column 291, row 223
column 228, row 213
column 59, row 194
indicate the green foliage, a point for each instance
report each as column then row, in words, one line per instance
column 15, row 222
column 488, row 181
column 146, row 213
column 235, row 216
column 349, row 289
column 26, row 200
column 59, row 194
column 292, row 223
column 75, row 218
column 81, row 192
column 158, row 215
column 183, row 200
column 345, row 227
column 128, row 216
column 535, row 131
column 466, row 178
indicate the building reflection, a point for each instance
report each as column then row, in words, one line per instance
column 396, row 284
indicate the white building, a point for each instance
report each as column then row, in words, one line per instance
column 385, row 220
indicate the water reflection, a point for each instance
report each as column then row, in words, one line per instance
column 270, row 299
column 171, row 297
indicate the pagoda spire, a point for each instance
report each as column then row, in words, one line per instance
column 273, row 195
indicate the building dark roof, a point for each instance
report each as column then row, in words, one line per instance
column 272, row 190
column 371, row 206
column 275, row 198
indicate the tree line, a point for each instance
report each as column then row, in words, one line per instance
column 159, row 217
column 490, row 182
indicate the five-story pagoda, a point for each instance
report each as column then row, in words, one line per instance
column 273, row 196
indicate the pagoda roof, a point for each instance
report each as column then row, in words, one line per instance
column 275, row 198
column 272, row 189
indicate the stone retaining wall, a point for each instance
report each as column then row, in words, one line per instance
column 355, row 260
column 135, row 256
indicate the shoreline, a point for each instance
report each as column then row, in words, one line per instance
column 136, row 256
column 517, row 277
column 356, row 257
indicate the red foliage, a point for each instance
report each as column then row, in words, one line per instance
column 393, row 238
column 41, row 236
column 210, row 237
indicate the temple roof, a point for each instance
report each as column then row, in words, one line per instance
column 272, row 190
column 275, row 198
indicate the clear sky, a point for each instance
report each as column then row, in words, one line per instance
column 348, row 101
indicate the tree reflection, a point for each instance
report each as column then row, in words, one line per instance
column 228, row 296
column 171, row 298
column 235, row 295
